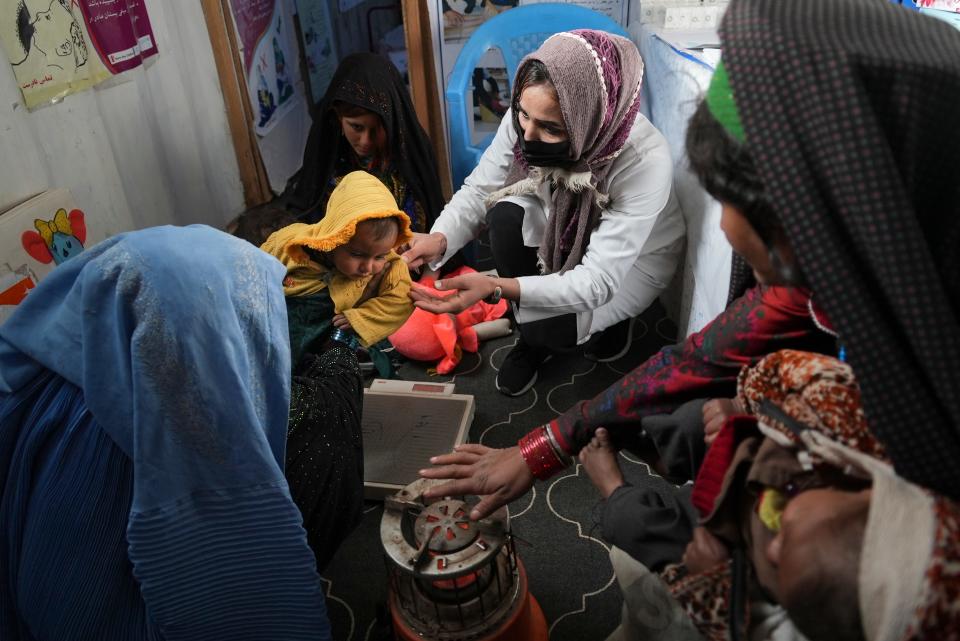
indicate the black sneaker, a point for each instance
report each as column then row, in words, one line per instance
column 518, row 372
column 612, row 343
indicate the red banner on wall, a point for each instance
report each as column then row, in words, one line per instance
column 120, row 31
column 253, row 20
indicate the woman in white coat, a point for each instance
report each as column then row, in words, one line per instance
column 576, row 191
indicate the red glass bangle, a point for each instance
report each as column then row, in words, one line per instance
column 539, row 454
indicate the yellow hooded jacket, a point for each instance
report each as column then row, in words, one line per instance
column 358, row 197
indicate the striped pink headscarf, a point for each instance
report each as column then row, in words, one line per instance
column 597, row 77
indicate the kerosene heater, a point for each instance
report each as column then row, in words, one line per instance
column 453, row 579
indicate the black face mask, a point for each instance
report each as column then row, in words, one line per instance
column 546, row 154
column 543, row 154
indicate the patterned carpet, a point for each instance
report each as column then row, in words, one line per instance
column 556, row 522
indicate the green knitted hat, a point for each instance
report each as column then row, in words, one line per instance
column 721, row 104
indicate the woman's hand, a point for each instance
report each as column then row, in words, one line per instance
column 715, row 413
column 340, row 322
column 497, row 476
column 424, row 248
column 467, row 290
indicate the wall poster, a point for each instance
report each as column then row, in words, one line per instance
column 318, row 46
column 120, row 31
column 35, row 237
column 269, row 58
column 59, row 47
column 942, row 5
column 458, row 19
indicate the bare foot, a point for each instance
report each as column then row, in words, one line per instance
column 599, row 459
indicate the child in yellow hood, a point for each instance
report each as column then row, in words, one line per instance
column 343, row 272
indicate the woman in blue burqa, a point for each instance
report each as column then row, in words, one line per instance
column 144, row 398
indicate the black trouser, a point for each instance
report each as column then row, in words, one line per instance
column 512, row 259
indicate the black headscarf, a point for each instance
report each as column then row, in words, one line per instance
column 850, row 114
column 372, row 82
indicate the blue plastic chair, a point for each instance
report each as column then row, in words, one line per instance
column 515, row 33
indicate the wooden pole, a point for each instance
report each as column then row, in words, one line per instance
column 240, row 117
column 423, row 83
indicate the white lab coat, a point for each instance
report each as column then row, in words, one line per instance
column 631, row 256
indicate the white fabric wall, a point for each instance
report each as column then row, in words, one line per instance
column 153, row 147
column 673, row 86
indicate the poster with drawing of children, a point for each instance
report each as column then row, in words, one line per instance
column 457, row 20
column 462, row 17
column 269, row 58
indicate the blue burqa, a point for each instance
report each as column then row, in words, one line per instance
column 144, row 396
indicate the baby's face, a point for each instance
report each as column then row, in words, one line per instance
column 365, row 255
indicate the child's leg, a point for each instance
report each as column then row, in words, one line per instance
column 599, row 460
